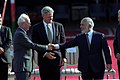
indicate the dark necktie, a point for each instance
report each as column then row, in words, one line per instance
column 49, row 34
column 88, row 42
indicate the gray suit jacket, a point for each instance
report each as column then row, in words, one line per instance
column 22, row 51
column 5, row 43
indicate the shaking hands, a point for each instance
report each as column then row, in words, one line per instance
column 50, row 54
column 53, row 46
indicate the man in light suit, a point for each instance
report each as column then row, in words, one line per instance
column 49, row 69
column 90, row 44
column 22, row 62
column 5, row 56
column 116, row 44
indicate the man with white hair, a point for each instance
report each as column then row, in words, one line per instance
column 22, row 45
column 116, row 44
column 91, row 44
column 5, row 56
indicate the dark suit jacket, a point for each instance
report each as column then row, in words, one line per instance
column 90, row 58
column 22, row 51
column 39, row 36
column 5, row 42
column 116, row 43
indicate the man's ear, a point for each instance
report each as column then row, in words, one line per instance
column 90, row 26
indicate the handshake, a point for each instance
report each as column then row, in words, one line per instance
column 52, row 47
column 50, row 54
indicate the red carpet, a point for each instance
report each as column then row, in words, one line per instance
column 114, row 65
column 114, row 62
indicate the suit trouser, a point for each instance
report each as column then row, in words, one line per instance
column 50, row 73
column 118, row 64
column 22, row 75
column 90, row 75
column 3, row 71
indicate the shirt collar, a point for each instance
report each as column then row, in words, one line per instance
column 50, row 24
column 22, row 29
column 90, row 32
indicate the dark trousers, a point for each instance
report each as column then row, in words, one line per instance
column 50, row 73
column 3, row 71
column 118, row 64
column 22, row 75
column 90, row 75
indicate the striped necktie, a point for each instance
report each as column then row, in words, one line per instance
column 88, row 42
column 49, row 34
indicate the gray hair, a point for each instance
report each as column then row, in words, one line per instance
column 23, row 17
column 89, row 21
column 119, row 12
column 47, row 9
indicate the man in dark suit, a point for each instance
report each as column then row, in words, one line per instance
column 48, row 31
column 90, row 44
column 22, row 62
column 116, row 44
column 5, row 43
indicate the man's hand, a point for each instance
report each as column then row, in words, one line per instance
column 1, row 50
column 64, row 60
column 51, row 46
column 118, row 56
column 108, row 67
column 50, row 55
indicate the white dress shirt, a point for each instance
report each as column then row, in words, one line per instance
column 90, row 33
column 50, row 27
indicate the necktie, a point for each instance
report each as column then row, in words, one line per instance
column 88, row 41
column 49, row 34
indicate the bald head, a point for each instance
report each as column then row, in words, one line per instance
column 23, row 17
column 86, row 24
column 24, row 22
column 89, row 21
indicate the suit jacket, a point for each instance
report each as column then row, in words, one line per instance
column 116, row 43
column 22, row 51
column 39, row 36
column 92, row 57
column 5, row 43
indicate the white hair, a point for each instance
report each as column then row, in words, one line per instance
column 119, row 12
column 89, row 21
column 23, row 17
column 47, row 9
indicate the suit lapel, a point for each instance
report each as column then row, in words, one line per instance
column 42, row 31
column 2, row 33
column 44, row 34
column 92, row 40
column 54, row 27
column 85, row 40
